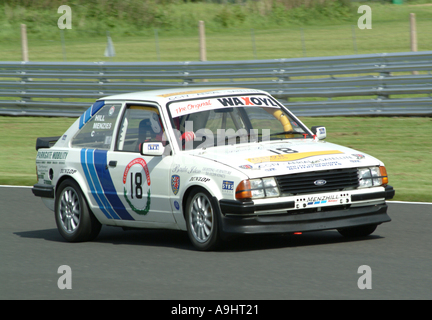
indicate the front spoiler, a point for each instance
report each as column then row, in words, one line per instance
column 289, row 223
column 247, row 218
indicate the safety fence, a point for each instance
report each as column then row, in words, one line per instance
column 371, row 84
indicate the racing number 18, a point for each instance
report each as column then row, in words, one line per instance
column 283, row 150
column 138, row 183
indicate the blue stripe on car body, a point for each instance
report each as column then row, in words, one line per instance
column 100, row 158
column 90, row 183
column 98, row 191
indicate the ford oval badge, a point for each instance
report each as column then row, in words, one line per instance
column 320, row 182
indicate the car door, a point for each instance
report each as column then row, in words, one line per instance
column 91, row 145
column 141, row 183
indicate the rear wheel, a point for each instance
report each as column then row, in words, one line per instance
column 202, row 220
column 361, row 231
column 74, row 220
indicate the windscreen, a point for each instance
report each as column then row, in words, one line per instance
column 232, row 120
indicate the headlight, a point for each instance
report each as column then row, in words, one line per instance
column 372, row 177
column 271, row 188
column 257, row 188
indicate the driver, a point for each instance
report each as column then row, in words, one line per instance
column 184, row 137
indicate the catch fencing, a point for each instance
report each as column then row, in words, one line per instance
column 393, row 84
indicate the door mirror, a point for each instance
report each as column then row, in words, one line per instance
column 320, row 132
column 152, row 149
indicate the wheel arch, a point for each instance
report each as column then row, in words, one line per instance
column 188, row 191
column 79, row 183
column 186, row 194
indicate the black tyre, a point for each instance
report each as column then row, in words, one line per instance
column 361, row 231
column 202, row 220
column 74, row 220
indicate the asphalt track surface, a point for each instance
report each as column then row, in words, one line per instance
column 162, row 264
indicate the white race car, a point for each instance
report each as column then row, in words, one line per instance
column 214, row 162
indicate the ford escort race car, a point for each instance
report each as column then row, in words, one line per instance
column 214, row 162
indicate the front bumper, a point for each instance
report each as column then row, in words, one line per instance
column 247, row 218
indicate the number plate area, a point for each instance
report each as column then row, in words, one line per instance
column 322, row 200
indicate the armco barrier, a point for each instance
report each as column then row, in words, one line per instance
column 372, row 84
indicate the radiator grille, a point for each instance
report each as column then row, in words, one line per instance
column 336, row 180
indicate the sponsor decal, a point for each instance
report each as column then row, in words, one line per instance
column 153, row 146
column 108, row 140
column 136, row 183
column 199, row 179
column 216, row 172
column 111, row 111
column 53, row 155
column 320, row 163
column 291, row 156
column 245, row 166
column 183, row 108
column 358, row 156
column 323, row 200
column 67, row 171
column 178, row 168
column 102, row 126
column 247, row 101
column 176, row 205
column 227, row 186
column 175, row 184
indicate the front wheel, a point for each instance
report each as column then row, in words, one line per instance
column 73, row 217
column 361, row 231
column 202, row 220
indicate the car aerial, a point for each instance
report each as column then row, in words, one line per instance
column 215, row 162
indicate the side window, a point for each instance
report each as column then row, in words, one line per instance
column 98, row 131
column 139, row 124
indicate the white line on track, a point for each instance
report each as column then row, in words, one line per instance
column 15, row 186
column 408, row 202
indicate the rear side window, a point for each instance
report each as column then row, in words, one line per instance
column 97, row 133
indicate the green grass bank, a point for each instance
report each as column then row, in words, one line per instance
column 167, row 30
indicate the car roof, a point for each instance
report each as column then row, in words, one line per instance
column 165, row 95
